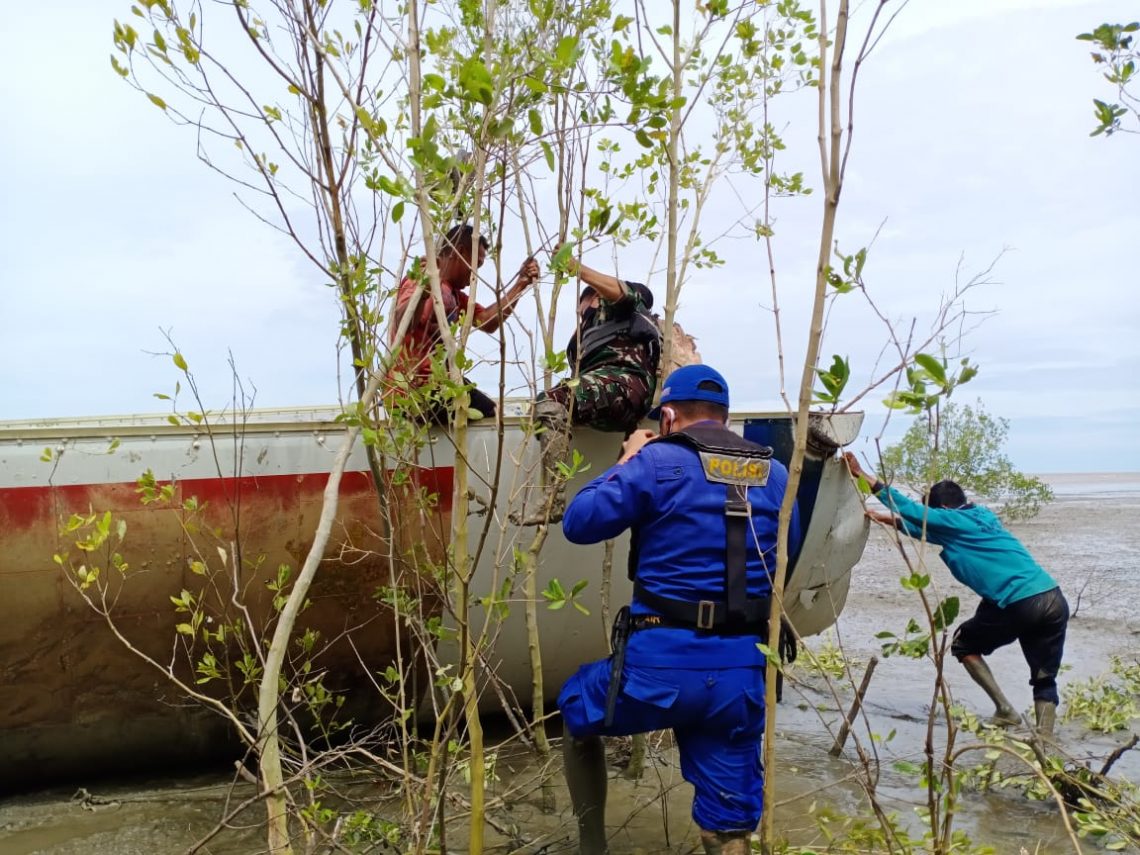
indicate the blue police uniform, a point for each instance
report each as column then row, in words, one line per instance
column 707, row 686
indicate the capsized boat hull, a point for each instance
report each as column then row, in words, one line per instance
column 74, row 701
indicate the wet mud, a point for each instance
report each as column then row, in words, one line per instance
column 1089, row 539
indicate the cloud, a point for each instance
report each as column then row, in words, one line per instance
column 972, row 128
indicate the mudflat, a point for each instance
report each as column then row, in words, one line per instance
column 1088, row 539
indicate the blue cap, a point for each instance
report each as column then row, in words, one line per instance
column 685, row 384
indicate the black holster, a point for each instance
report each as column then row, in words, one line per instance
column 619, row 637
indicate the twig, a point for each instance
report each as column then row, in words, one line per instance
column 1118, row 753
column 841, row 739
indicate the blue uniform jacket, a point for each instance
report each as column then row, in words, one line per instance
column 980, row 553
column 662, row 492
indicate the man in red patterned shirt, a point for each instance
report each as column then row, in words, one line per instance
column 457, row 261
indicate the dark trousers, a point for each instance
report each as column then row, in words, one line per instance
column 607, row 399
column 1037, row 623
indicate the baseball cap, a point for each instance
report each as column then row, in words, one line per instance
column 693, row 383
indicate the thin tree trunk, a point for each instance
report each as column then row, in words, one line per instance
column 332, row 191
column 829, row 94
column 672, row 283
column 269, row 760
column 538, row 688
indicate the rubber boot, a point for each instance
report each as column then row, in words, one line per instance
column 584, row 764
column 725, row 842
column 1004, row 713
column 553, row 421
column 1046, row 714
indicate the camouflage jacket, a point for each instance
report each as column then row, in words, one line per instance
column 634, row 350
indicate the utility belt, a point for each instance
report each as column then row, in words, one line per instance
column 704, row 615
column 639, row 622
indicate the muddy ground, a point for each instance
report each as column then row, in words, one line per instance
column 1089, row 539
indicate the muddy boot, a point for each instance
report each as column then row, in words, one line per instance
column 725, row 842
column 1004, row 713
column 1046, row 714
column 547, row 503
column 584, row 764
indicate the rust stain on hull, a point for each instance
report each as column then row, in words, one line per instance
column 73, row 698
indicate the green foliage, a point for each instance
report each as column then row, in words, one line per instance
column 576, row 466
column 1115, row 52
column 915, row 640
column 827, row 660
column 852, row 277
column 219, row 646
column 363, row 828
column 965, row 444
column 834, row 381
column 1106, row 703
column 1103, row 808
column 929, row 381
column 847, row 834
column 558, row 597
column 913, row 643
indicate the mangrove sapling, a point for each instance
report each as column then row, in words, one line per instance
column 328, row 167
column 929, row 380
column 313, row 158
column 832, row 161
column 259, row 670
column 689, row 174
column 570, row 153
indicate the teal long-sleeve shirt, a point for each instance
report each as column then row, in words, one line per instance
column 979, row 552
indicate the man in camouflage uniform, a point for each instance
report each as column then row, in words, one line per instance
column 614, row 354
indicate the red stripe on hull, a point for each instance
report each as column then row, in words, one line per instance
column 22, row 508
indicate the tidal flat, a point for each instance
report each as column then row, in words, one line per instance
column 1088, row 539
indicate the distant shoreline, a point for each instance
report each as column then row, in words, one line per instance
column 1105, row 484
column 1049, row 476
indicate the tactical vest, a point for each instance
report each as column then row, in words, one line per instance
column 738, row 464
column 638, row 327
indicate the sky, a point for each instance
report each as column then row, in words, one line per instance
column 971, row 142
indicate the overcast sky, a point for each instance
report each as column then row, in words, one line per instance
column 971, row 137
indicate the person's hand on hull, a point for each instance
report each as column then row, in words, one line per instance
column 854, row 467
column 634, row 443
column 858, row 472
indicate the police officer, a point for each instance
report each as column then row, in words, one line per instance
column 702, row 505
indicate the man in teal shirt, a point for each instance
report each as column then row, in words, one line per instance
column 1020, row 601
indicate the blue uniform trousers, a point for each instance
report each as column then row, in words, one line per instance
column 717, row 718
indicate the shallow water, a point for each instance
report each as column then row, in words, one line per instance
column 1089, row 539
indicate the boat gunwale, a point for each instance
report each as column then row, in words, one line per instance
column 294, row 420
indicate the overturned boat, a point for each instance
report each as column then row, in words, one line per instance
column 74, row 701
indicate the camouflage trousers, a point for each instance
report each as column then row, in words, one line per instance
column 608, row 399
